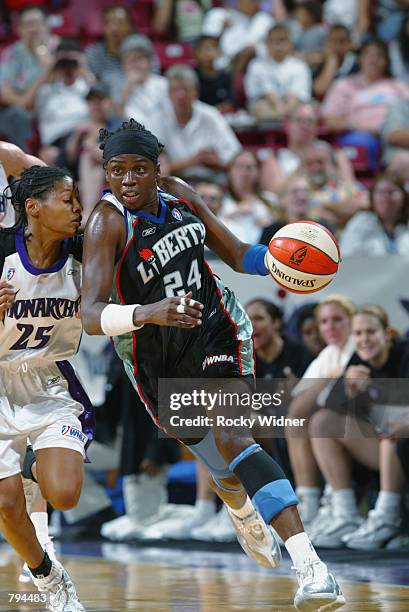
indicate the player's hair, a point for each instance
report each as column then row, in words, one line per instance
column 342, row 301
column 126, row 126
column 274, row 312
column 35, row 182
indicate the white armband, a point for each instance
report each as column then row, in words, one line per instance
column 117, row 319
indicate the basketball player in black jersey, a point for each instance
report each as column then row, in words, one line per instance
column 146, row 284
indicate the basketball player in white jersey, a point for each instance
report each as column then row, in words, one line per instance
column 40, row 397
column 12, row 163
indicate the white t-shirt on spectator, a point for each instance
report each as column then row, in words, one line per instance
column 207, row 129
column 242, row 30
column 343, row 12
column 330, row 359
column 292, row 76
column 60, row 108
column 146, row 98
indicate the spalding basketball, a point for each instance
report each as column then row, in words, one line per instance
column 303, row 257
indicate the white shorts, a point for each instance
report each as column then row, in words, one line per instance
column 36, row 404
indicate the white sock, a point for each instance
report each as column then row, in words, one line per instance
column 245, row 510
column 309, row 497
column 40, row 522
column 301, row 550
column 344, row 502
column 388, row 503
column 205, row 506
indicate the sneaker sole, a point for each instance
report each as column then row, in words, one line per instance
column 24, row 579
column 321, row 604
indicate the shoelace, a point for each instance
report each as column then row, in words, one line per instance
column 306, row 573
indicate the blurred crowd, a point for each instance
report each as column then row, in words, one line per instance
column 275, row 111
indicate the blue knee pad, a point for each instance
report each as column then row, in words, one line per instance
column 207, row 451
column 273, row 498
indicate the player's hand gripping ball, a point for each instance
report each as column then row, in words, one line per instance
column 303, row 257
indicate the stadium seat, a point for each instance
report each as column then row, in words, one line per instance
column 142, row 14
column 64, row 23
column 173, row 53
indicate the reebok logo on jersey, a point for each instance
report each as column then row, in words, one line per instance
column 10, row 273
column 73, row 432
column 53, row 381
column 215, row 359
column 176, row 214
column 71, row 272
column 148, row 231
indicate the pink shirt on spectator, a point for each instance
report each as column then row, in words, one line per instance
column 363, row 104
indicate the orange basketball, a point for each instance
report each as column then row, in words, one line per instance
column 303, row 257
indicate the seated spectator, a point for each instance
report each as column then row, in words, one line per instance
column 82, row 150
column 24, row 67
column 341, row 13
column 358, row 104
column 399, row 52
column 301, row 130
column 244, row 203
column 399, row 168
column 214, row 83
column 384, row 228
column 61, row 103
column 198, row 140
column 104, row 57
column 395, row 130
column 337, row 60
column 276, row 84
column 307, row 32
column 180, row 20
column 334, row 315
column 377, row 355
column 242, row 31
column 334, row 200
column 140, row 92
column 307, row 329
column 387, row 14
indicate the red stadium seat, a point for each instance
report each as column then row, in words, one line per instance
column 142, row 14
column 174, row 53
column 358, row 157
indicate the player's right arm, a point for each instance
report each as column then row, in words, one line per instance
column 105, row 237
column 14, row 159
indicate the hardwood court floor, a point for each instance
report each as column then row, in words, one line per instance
column 148, row 585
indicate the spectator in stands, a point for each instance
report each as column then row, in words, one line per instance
column 245, row 203
column 276, row 84
column 242, row 31
column 180, row 20
column 301, row 129
column 385, row 15
column 140, row 92
column 198, row 140
column 82, row 149
column 334, row 315
column 399, row 52
column 341, row 13
column 214, row 84
column 384, row 228
column 349, row 408
column 61, row 102
column 358, row 104
column 212, row 194
column 104, row 57
column 307, row 329
column 337, row 60
column 399, row 168
column 24, row 67
column 334, row 200
column 395, row 130
column 307, row 32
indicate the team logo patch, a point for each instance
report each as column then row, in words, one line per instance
column 10, row 273
column 210, row 360
column 73, row 432
column 148, row 255
column 299, row 255
column 148, row 231
column 176, row 214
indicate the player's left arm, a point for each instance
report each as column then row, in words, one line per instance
column 240, row 256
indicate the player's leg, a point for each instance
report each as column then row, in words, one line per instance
column 60, row 476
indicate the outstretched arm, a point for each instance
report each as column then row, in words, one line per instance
column 14, row 159
column 218, row 238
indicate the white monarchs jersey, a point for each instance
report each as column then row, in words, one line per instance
column 43, row 325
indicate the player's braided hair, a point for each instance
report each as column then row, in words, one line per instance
column 126, row 126
column 35, row 182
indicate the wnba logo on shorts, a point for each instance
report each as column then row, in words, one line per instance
column 73, row 432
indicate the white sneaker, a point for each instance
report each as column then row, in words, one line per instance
column 331, row 535
column 374, row 533
column 257, row 539
column 217, row 529
column 26, row 575
column 323, row 517
column 318, row 589
column 180, row 528
column 60, row 589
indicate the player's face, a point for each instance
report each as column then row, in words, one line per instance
column 334, row 324
column 371, row 339
column 60, row 212
column 133, row 180
column 310, row 336
column 264, row 328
